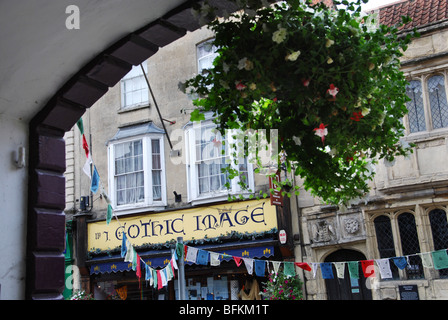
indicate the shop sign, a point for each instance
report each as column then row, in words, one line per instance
column 282, row 236
column 195, row 223
column 408, row 292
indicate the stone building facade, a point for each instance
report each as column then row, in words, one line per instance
column 406, row 210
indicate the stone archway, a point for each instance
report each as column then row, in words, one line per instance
column 46, row 187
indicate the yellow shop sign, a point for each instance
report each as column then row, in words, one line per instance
column 195, row 223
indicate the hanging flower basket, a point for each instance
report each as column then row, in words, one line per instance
column 328, row 81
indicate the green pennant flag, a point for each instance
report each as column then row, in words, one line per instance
column 440, row 259
column 134, row 260
column 289, row 269
column 109, row 214
column 80, row 125
column 353, row 269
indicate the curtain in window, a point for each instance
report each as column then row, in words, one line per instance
column 156, row 170
column 438, row 101
column 416, row 113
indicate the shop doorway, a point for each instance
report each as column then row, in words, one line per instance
column 347, row 289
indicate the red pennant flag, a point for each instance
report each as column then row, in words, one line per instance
column 139, row 270
column 238, row 261
column 85, row 145
column 303, row 265
column 368, row 268
column 159, row 280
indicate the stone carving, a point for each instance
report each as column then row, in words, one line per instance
column 351, row 225
column 323, row 231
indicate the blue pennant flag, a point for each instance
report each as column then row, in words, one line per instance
column 95, row 181
column 123, row 246
column 327, row 270
column 400, row 262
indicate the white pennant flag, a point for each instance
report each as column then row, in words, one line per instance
column 163, row 277
column 249, row 265
column 174, row 262
column 276, row 265
column 384, row 267
column 314, row 266
column 129, row 257
column 214, row 259
column 192, row 253
column 340, row 269
column 86, row 167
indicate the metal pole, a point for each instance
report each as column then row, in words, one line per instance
column 181, row 278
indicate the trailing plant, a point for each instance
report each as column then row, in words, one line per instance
column 282, row 287
column 327, row 81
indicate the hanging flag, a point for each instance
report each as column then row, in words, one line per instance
column 95, row 181
column 109, row 214
column 85, row 145
column 159, row 280
column 168, row 272
column 249, row 265
column 440, row 259
column 80, row 125
column 148, row 273
column 400, row 262
column 174, row 262
column 238, row 261
column 353, row 269
column 123, row 245
column 289, row 269
column 384, row 268
column 164, row 277
column 303, row 265
column 191, row 254
column 86, row 167
column 340, row 269
column 276, row 266
column 202, row 257
column 426, row 259
column 260, row 267
column 138, row 272
column 327, row 270
column 314, row 266
column 214, row 259
column 155, row 277
column 368, row 268
column 129, row 257
column 134, row 260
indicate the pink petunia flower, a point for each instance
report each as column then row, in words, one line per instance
column 306, row 82
column 333, row 91
column 240, row 87
column 321, row 131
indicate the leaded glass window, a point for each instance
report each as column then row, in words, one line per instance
column 385, row 241
column 438, row 101
column 416, row 113
column 439, row 228
column 410, row 245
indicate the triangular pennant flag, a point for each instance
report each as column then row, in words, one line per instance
column 148, row 273
column 202, row 257
column 427, row 259
column 368, row 268
column 95, row 181
column 276, row 266
column 314, row 266
column 123, row 245
column 260, row 267
column 129, row 257
column 289, row 269
column 86, row 167
column 155, row 278
column 214, row 259
column 340, row 269
column 353, row 269
column 138, row 271
column 384, row 268
column 327, row 270
column 192, row 254
column 164, row 277
column 440, row 259
column 303, row 265
column 80, row 125
column 109, row 214
column 169, row 272
column 238, row 261
column 249, row 265
column 85, row 145
column 174, row 262
column 400, row 262
column 159, row 280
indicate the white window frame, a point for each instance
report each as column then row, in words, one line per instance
column 194, row 195
column 148, row 203
column 134, row 74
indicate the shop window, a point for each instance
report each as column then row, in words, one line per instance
column 410, row 244
column 439, row 228
column 385, row 241
column 134, row 89
column 137, row 170
column 438, row 101
column 416, row 112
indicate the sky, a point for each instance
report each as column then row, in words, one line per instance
column 372, row 4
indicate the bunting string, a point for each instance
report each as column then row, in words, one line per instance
column 159, row 278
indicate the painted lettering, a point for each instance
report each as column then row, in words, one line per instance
column 156, row 224
column 133, row 231
column 182, row 222
column 243, row 219
column 257, row 213
column 224, row 216
column 144, row 226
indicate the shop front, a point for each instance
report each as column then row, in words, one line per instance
column 231, row 231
